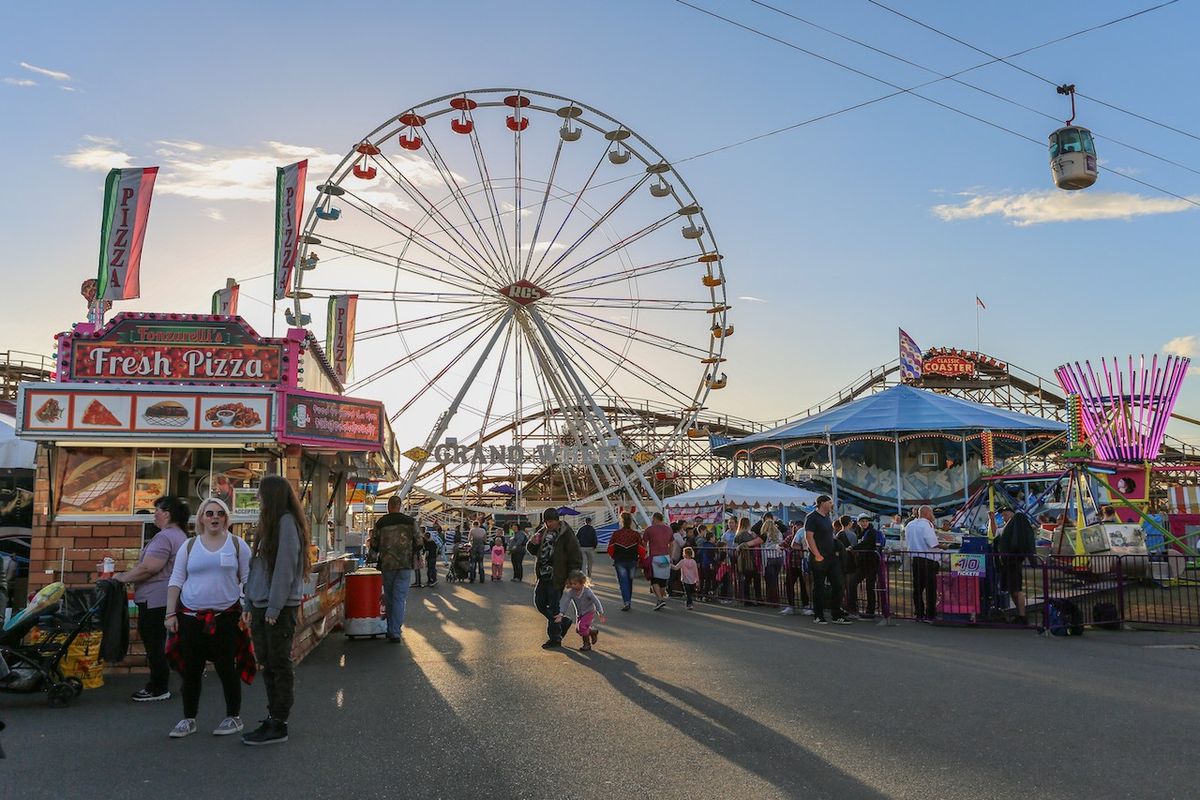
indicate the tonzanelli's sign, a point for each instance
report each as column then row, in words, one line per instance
column 450, row 452
column 166, row 350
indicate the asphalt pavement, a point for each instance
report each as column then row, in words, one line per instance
column 720, row 702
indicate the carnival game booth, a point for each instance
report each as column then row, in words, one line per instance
column 760, row 495
column 893, row 450
column 193, row 406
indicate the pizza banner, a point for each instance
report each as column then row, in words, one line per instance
column 122, row 232
column 339, row 333
column 289, row 205
column 64, row 411
column 225, row 301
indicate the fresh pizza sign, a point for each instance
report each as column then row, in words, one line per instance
column 80, row 411
column 169, row 350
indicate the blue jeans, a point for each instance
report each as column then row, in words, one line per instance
column 395, row 593
column 625, row 579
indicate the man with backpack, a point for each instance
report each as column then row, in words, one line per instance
column 1016, row 543
column 396, row 542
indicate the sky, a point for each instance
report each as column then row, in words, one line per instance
column 834, row 234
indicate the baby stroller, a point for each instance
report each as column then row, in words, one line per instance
column 62, row 614
column 460, row 564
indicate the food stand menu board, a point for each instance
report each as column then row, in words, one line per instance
column 309, row 417
column 173, row 349
column 81, row 411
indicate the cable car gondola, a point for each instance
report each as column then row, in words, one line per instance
column 1072, row 151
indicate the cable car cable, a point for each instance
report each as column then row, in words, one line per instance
column 902, row 90
column 954, row 77
column 1033, row 74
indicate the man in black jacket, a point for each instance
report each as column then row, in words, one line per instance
column 866, row 555
column 556, row 552
column 587, row 543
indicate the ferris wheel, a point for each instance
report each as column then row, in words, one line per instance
column 515, row 250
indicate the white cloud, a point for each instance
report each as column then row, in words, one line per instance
column 202, row 172
column 181, row 144
column 68, row 88
column 1185, row 347
column 752, row 299
column 49, row 73
column 215, row 214
column 1053, row 205
column 20, row 82
column 99, row 154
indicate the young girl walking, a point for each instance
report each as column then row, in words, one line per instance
column 689, row 575
column 587, row 608
column 498, row 558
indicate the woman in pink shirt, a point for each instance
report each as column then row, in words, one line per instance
column 689, row 574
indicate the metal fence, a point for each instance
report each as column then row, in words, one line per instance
column 972, row 589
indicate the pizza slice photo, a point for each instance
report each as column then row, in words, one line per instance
column 98, row 414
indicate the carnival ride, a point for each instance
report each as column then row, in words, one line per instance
column 1116, row 423
column 520, row 250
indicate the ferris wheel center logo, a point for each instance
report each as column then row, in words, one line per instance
column 523, row 292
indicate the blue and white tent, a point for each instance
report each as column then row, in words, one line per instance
column 900, row 409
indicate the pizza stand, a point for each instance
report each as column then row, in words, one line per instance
column 193, row 406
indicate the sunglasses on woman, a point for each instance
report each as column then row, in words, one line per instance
column 212, row 513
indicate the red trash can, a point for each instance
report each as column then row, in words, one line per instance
column 364, row 589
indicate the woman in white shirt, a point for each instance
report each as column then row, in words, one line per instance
column 204, row 606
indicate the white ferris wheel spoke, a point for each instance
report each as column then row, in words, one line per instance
column 622, row 361
column 537, row 229
column 595, row 226
column 432, row 210
column 444, row 421
column 576, row 198
column 401, row 264
column 615, row 247
column 598, row 419
column 623, row 275
column 494, row 207
column 496, row 261
column 580, row 301
column 411, row 234
column 413, row 324
column 480, row 318
column 391, row 296
column 629, row 332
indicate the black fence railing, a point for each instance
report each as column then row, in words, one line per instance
column 977, row 589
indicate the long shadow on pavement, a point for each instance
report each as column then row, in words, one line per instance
column 726, row 732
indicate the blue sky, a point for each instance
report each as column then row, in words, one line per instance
column 897, row 214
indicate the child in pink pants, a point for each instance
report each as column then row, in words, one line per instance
column 588, row 608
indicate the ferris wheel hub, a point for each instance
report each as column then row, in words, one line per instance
column 523, row 292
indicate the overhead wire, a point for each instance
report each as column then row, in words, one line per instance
column 1043, row 78
column 910, row 91
column 954, row 77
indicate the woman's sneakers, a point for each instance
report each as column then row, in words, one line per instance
column 147, row 696
column 228, row 726
column 185, row 727
column 272, row 731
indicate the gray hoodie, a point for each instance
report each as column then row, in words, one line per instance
column 283, row 586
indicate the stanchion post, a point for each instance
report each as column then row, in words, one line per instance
column 1120, row 573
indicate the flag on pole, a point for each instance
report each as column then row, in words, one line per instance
column 225, row 301
column 911, row 364
column 122, row 232
column 289, row 205
column 339, row 333
column 979, row 303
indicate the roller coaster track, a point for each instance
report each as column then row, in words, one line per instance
column 1034, row 395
